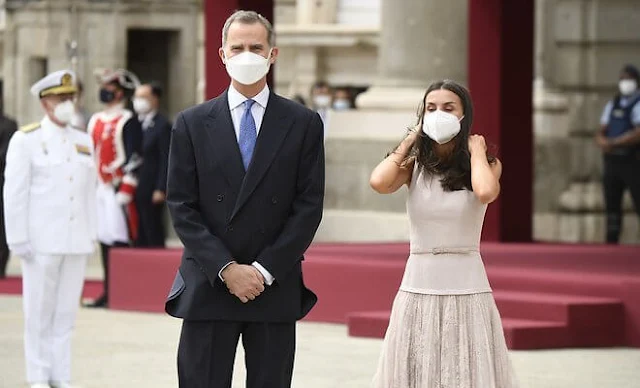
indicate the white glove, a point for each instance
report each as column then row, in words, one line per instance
column 123, row 198
column 23, row 250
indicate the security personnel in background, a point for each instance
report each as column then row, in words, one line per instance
column 619, row 139
column 50, row 216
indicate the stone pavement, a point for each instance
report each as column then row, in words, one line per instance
column 121, row 350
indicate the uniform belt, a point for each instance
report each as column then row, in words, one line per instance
column 446, row 251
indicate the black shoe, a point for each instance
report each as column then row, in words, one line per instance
column 101, row 302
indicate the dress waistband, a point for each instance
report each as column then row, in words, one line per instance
column 445, row 251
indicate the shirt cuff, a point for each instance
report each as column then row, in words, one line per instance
column 268, row 278
column 225, row 266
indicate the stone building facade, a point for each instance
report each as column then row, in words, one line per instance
column 580, row 47
column 392, row 47
column 157, row 39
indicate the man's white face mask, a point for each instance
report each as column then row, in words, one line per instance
column 64, row 111
column 247, row 68
column 627, row 86
column 141, row 105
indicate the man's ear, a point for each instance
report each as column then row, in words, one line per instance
column 274, row 54
column 221, row 54
column 44, row 104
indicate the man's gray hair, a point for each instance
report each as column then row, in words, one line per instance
column 248, row 17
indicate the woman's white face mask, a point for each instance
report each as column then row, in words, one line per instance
column 441, row 126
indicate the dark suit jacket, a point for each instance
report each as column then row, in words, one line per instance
column 152, row 175
column 270, row 214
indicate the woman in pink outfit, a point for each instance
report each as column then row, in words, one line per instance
column 445, row 329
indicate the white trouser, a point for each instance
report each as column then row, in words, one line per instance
column 51, row 290
column 112, row 222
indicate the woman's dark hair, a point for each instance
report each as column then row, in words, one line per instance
column 455, row 170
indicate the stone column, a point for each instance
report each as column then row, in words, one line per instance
column 421, row 41
column 304, row 11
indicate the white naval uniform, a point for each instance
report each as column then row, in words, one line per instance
column 49, row 203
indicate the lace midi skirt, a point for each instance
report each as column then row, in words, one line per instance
column 444, row 341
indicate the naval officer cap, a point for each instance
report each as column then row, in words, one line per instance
column 58, row 82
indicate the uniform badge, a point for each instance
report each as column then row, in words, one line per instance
column 83, row 149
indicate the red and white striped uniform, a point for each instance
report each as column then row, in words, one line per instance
column 117, row 182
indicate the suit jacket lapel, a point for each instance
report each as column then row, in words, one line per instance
column 224, row 143
column 275, row 126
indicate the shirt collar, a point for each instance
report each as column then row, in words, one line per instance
column 147, row 117
column 236, row 98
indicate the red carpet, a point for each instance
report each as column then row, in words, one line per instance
column 549, row 296
column 13, row 286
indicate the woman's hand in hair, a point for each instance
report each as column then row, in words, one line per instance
column 485, row 177
column 477, row 144
column 396, row 169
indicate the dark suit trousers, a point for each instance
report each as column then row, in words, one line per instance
column 151, row 228
column 207, row 351
column 620, row 173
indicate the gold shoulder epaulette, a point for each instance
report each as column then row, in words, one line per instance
column 30, row 127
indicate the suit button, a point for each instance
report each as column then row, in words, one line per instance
column 71, row 198
column 274, row 200
column 229, row 228
column 220, row 197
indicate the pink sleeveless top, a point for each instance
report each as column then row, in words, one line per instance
column 445, row 230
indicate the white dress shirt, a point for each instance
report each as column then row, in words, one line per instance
column 146, row 119
column 236, row 106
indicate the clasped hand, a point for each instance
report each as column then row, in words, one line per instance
column 243, row 281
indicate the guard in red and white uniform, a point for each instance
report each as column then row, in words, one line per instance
column 117, row 136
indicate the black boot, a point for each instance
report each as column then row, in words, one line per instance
column 101, row 302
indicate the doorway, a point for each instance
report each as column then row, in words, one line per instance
column 151, row 56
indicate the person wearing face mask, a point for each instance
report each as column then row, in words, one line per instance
column 321, row 96
column 50, row 217
column 619, row 140
column 341, row 100
column 152, row 177
column 451, row 180
column 245, row 191
column 117, row 137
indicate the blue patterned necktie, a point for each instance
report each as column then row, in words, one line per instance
column 248, row 134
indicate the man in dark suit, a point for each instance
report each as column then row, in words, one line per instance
column 7, row 128
column 152, row 178
column 245, row 191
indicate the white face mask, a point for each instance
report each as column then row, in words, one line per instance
column 64, row 111
column 627, row 86
column 141, row 105
column 247, row 68
column 341, row 104
column 322, row 100
column 441, row 126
